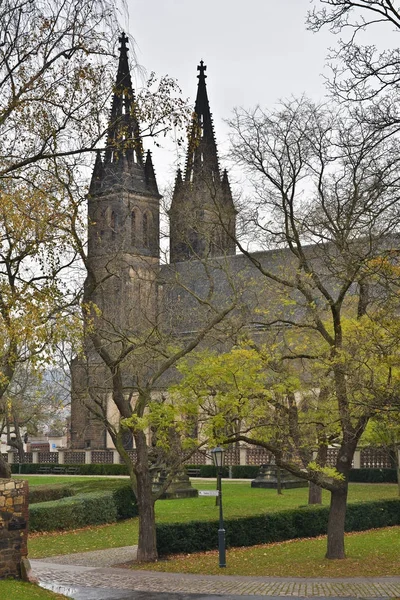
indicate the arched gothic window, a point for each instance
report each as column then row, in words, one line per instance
column 145, row 224
column 133, row 227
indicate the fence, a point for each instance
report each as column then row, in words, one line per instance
column 372, row 458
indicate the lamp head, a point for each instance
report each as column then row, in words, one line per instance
column 218, row 456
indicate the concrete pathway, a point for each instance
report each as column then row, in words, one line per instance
column 90, row 575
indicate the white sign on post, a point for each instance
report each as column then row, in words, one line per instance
column 208, row 493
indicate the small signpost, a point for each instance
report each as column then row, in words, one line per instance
column 208, row 493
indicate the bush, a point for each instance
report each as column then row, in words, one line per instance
column 46, row 493
column 373, row 475
column 238, row 471
column 93, row 508
column 208, row 470
column 106, row 469
column 95, row 469
column 310, row 521
column 366, row 515
column 245, row 471
column 70, row 513
column 125, row 501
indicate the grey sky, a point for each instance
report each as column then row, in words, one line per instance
column 256, row 52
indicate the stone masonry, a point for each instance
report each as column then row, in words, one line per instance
column 13, row 526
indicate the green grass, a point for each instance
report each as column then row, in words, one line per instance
column 16, row 590
column 123, row 533
column 239, row 500
column 65, row 479
column 369, row 554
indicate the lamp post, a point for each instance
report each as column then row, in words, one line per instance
column 218, row 456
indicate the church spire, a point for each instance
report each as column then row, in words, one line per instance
column 202, row 157
column 123, row 138
column 202, row 213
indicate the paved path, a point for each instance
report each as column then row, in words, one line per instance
column 94, row 570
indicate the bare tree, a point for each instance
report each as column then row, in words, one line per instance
column 361, row 72
column 326, row 193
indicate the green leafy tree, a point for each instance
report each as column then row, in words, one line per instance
column 384, row 432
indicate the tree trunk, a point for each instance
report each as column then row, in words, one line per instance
column 314, row 493
column 147, row 545
column 337, row 514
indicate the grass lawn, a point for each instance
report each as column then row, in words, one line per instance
column 239, row 500
column 66, row 479
column 369, row 554
column 18, row 590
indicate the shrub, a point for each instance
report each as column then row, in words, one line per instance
column 310, row 521
column 125, row 501
column 94, row 469
column 245, row 471
column 106, row 469
column 238, row 471
column 46, row 493
column 373, row 475
column 208, row 470
column 93, row 508
column 70, row 513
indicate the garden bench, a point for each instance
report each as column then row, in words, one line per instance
column 193, row 472
column 72, row 470
column 45, row 469
column 59, row 470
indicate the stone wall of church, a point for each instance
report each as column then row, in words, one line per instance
column 13, row 526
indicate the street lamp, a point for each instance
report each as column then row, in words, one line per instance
column 218, row 456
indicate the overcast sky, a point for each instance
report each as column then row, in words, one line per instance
column 256, row 52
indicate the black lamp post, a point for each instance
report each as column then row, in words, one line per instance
column 218, row 456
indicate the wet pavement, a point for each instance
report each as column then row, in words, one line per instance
column 92, row 576
column 91, row 593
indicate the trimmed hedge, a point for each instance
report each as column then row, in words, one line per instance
column 95, row 469
column 245, row 471
column 81, row 510
column 310, row 521
column 373, row 475
column 238, row 471
column 71, row 513
column 125, row 502
column 46, row 493
column 105, row 469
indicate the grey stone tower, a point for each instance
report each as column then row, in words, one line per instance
column 124, row 214
column 202, row 213
column 123, row 257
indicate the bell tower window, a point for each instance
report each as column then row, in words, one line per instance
column 133, row 227
column 146, row 241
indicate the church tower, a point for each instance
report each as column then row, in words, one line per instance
column 202, row 213
column 122, row 259
column 124, row 215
